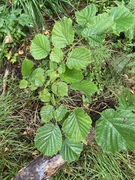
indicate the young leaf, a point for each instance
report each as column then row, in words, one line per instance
column 46, row 113
column 63, row 33
column 85, row 86
column 71, row 75
column 79, row 58
column 48, row 139
column 60, row 89
column 44, row 95
column 23, row 84
column 84, row 16
column 37, row 78
column 27, row 66
column 123, row 18
column 40, row 47
column 60, row 113
column 56, row 55
column 71, row 150
column 115, row 130
column 77, row 125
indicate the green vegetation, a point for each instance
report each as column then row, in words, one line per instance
column 47, row 99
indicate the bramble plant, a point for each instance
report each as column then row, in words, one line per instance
column 63, row 71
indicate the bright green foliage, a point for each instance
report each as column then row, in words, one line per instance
column 85, row 86
column 83, row 17
column 40, row 47
column 71, row 75
column 71, row 150
column 95, row 32
column 37, row 78
column 46, row 113
column 60, row 113
column 60, row 89
column 115, row 130
column 64, row 71
column 56, row 55
column 44, row 95
column 123, row 18
column 48, row 139
column 27, row 66
column 77, row 125
column 63, row 33
column 79, row 58
column 23, row 84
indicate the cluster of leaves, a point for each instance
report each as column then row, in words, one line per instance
column 64, row 71
column 12, row 27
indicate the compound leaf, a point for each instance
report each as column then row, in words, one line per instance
column 77, row 125
column 71, row 150
column 48, row 139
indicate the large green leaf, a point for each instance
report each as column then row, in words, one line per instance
column 46, row 113
column 79, row 58
column 96, row 31
column 71, row 75
column 63, row 33
column 27, row 66
column 56, row 55
column 71, row 150
column 40, row 47
column 60, row 89
column 123, row 18
column 115, row 130
column 48, row 139
column 85, row 86
column 84, row 16
column 77, row 125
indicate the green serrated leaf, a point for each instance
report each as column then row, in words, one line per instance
column 77, row 125
column 63, row 33
column 48, row 139
column 23, row 84
column 79, row 58
column 56, row 55
column 27, row 66
column 40, row 47
column 37, row 78
column 96, row 31
column 60, row 89
column 85, row 86
column 85, row 15
column 115, row 130
column 44, row 95
column 46, row 113
column 71, row 150
column 71, row 75
column 123, row 18
column 60, row 113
